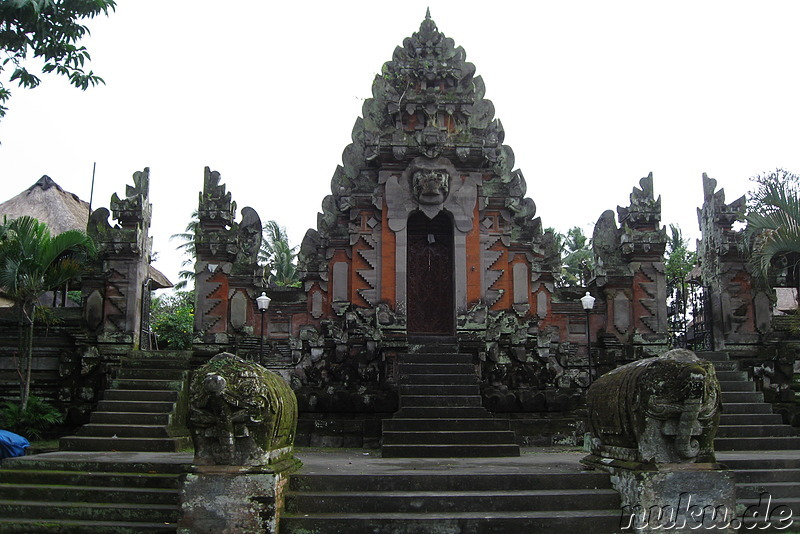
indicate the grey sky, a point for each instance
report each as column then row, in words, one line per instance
column 592, row 95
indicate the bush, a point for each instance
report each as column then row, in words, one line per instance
column 39, row 417
column 172, row 319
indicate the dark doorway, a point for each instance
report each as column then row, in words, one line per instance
column 429, row 284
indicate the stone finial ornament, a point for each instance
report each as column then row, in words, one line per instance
column 657, row 410
column 240, row 413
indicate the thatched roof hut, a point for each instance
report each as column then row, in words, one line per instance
column 60, row 210
column 45, row 200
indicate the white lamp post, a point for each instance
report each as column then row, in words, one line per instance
column 263, row 304
column 587, row 301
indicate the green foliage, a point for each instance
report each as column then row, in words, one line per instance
column 279, row 258
column 33, row 262
column 32, row 421
column 766, row 184
column 187, row 274
column 577, row 257
column 48, row 30
column 680, row 260
column 773, row 225
column 172, row 319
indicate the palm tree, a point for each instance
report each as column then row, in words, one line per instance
column 578, row 258
column 278, row 257
column 187, row 247
column 33, row 262
column 773, row 229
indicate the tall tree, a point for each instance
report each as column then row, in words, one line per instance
column 33, row 262
column 680, row 260
column 187, row 274
column 278, row 256
column 577, row 257
column 49, row 30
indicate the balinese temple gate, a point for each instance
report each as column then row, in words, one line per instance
column 428, row 238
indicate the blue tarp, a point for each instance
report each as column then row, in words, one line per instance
column 12, row 445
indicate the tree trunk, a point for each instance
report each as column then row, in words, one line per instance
column 26, row 354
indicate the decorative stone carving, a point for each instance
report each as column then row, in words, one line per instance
column 240, row 413
column 663, row 409
column 114, row 289
column 741, row 314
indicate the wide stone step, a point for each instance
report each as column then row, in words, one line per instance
column 115, row 463
column 439, row 379
column 92, row 443
column 725, row 431
column 436, row 357
column 746, row 408
column 594, row 521
column 777, row 490
column 134, row 383
column 447, row 482
column 741, row 396
column 736, row 385
column 156, row 363
column 141, row 395
column 766, row 476
column 135, row 406
column 756, row 444
column 436, row 368
column 133, row 418
column 441, row 389
column 444, row 502
column 449, row 451
column 62, row 493
column 72, row 478
column 727, row 376
column 439, row 400
column 451, row 412
column 750, row 419
column 449, row 437
column 768, row 459
column 146, row 374
column 726, row 366
column 63, row 526
column 417, row 424
column 717, row 356
column 147, row 513
column 124, row 431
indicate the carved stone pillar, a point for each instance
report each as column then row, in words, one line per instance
column 114, row 288
column 740, row 312
column 226, row 268
column 629, row 272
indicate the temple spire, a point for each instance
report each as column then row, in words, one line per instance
column 428, row 14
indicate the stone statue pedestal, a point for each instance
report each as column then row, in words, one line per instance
column 677, row 498
column 226, row 499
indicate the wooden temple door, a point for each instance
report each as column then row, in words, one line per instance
column 430, row 288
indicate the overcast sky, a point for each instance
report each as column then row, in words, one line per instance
column 592, row 95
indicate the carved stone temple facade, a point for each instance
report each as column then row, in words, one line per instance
column 428, row 235
column 427, row 238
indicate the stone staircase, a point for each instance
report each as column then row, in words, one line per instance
column 119, row 493
column 441, row 412
column 754, row 442
column 747, row 422
column 142, row 410
column 440, row 502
